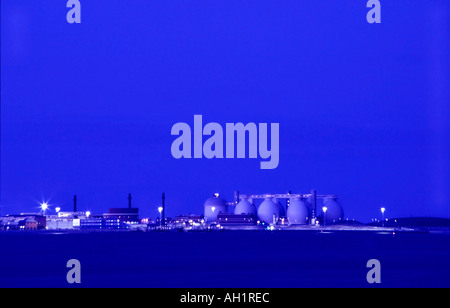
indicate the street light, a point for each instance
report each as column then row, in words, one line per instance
column 160, row 209
column 88, row 213
column 44, row 207
column 324, row 209
column 382, row 216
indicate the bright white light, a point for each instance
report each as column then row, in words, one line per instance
column 57, row 209
column 324, row 209
column 213, row 208
column 216, row 195
column 44, row 206
column 160, row 209
column 88, row 213
column 383, row 209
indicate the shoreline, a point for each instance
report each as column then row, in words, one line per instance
column 249, row 229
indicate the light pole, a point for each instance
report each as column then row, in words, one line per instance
column 44, row 207
column 160, row 209
column 382, row 216
column 324, row 209
column 57, row 210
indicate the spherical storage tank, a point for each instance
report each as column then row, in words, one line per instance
column 214, row 206
column 298, row 211
column 334, row 212
column 245, row 207
column 267, row 210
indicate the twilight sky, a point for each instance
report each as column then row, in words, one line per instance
column 87, row 109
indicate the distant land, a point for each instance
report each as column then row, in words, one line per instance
column 416, row 222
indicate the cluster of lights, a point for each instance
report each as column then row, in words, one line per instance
column 45, row 206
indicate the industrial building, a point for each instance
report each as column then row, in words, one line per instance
column 249, row 212
column 24, row 221
column 183, row 219
column 116, row 218
column 126, row 215
column 272, row 209
column 226, row 219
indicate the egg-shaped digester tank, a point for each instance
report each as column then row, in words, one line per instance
column 334, row 212
column 268, row 211
column 214, row 206
column 298, row 211
column 245, row 207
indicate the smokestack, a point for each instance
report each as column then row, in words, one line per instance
column 129, row 201
column 164, row 210
column 74, row 203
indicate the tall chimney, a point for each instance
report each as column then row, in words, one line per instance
column 129, row 201
column 74, row 203
column 164, row 209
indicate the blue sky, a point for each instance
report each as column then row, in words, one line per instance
column 87, row 108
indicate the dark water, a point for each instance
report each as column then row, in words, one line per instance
column 224, row 259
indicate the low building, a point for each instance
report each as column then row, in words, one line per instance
column 24, row 221
column 125, row 215
column 71, row 215
column 188, row 218
column 57, row 223
column 236, row 219
column 31, row 224
column 66, row 220
column 91, row 223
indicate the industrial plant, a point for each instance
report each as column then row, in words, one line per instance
column 287, row 209
column 117, row 219
column 245, row 212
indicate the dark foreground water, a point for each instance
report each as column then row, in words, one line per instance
column 224, row 259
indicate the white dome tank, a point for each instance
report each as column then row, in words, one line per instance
column 214, row 206
column 334, row 212
column 298, row 211
column 245, row 207
column 267, row 210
